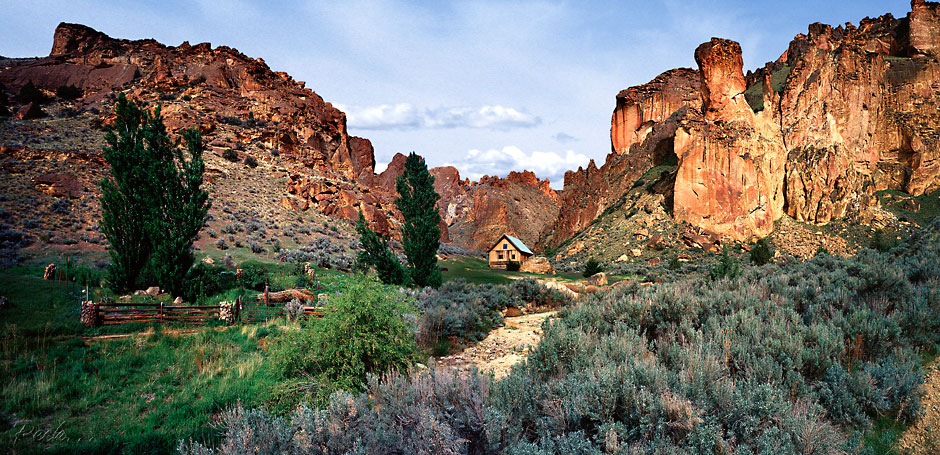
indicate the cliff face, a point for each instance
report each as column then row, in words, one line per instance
column 843, row 113
column 730, row 175
column 859, row 113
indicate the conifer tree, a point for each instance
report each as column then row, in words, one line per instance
column 152, row 204
column 421, row 232
column 375, row 253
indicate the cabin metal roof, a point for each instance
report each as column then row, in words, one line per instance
column 516, row 243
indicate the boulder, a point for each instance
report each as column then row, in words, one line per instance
column 511, row 312
column 598, row 279
column 153, row 291
column 560, row 288
column 537, row 264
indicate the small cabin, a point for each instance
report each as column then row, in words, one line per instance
column 508, row 249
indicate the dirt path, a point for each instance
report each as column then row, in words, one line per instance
column 922, row 437
column 502, row 348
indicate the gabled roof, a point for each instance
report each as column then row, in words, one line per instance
column 515, row 242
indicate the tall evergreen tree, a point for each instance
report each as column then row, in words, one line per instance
column 420, row 232
column 152, row 204
column 375, row 253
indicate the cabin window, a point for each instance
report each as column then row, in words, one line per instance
column 514, row 255
column 499, row 255
column 505, row 246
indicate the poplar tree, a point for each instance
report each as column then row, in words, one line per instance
column 375, row 252
column 152, row 203
column 420, row 232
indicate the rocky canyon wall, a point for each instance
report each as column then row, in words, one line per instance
column 844, row 113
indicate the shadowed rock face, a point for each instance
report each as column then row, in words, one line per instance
column 640, row 108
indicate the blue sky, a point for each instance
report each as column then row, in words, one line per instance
column 487, row 86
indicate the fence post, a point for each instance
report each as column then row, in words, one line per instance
column 238, row 308
column 162, row 314
column 90, row 316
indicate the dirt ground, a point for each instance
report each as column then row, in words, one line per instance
column 922, row 438
column 502, row 348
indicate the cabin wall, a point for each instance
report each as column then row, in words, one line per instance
column 510, row 253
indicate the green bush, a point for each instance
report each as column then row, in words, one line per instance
column 461, row 310
column 727, row 266
column 204, row 280
column 254, row 275
column 592, row 267
column 230, row 155
column 362, row 332
column 761, row 253
column 512, row 266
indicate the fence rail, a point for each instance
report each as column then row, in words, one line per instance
column 252, row 311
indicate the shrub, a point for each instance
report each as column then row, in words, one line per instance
column 293, row 310
column 251, row 162
column 787, row 358
column 68, row 92
column 254, row 275
column 436, row 413
column 34, row 112
column 230, row 155
column 761, row 253
column 204, row 280
column 727, row 266
column 256, row 247
column 220, row 244
column 530, row 291
column 592, row 267
column 512, row 266
column 674, row 263
column 361, row 332
column 461, row 310
column 30, row 94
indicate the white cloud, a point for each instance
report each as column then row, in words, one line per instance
column 551, row 165
column 564, row 138
column 405, row 116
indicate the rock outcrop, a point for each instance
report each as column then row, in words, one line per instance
column 537, row 264
column 843, row 113
column 221, row 82
column 731, row 161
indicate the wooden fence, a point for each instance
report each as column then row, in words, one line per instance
column 249, row 311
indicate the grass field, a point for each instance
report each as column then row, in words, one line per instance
column 65, row 390
column 133, row 388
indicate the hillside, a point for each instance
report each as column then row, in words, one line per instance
column 278, row 154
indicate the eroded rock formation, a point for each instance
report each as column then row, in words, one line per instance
column 843, row 113
column 731, row 161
